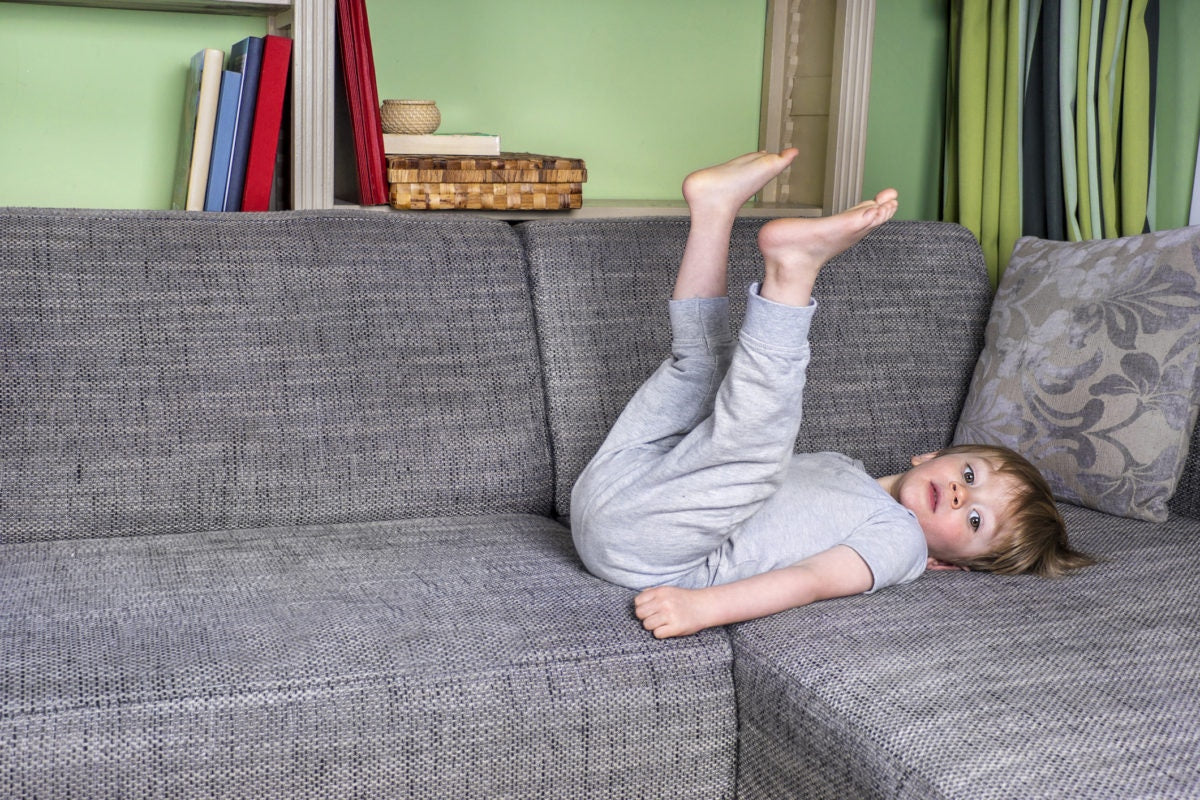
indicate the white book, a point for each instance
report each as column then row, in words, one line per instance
column 212, row 63
column 442, row 144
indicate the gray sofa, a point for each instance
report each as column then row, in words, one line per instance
column 281, row 515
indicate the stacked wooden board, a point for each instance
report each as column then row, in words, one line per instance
column 508, row 182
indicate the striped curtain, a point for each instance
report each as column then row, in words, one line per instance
column 1050, row 120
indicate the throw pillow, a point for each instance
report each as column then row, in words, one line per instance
column 1089, row 367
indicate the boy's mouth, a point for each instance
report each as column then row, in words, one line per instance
column 933, row 497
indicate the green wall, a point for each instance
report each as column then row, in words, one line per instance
column 645, row 91
column 91, row 101
column 908, row 89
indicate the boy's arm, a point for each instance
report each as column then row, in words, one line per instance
column 671, row 611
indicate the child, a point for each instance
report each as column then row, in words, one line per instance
column 697, row 491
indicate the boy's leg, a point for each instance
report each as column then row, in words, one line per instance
column 794, row 250
column 732, row 461
column 681, row 391
column 651, row 514
column 714, row 196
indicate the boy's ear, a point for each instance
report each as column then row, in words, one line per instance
column 938, row 564
column 921, row 459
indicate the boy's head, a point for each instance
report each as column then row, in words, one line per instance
column 985, row 507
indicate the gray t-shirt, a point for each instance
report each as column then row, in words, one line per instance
column 826, row 499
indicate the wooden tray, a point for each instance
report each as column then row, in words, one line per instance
column 506, row 168
column 422, row 196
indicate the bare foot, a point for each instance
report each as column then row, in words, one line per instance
column 714, row 196
column 795, row 249
column 725, row 187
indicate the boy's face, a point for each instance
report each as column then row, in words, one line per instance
column 959, row 501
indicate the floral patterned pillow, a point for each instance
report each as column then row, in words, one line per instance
column 1089, row 367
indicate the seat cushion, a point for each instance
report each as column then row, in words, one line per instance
column 879, row 388
column 982, row 686
column 451, row 657
column 166, row 372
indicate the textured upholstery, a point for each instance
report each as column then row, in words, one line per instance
column 886, row 380
column 177, row 372
column 1187, row 493
column 978, row 686
column 273, row 498
column 459, row 657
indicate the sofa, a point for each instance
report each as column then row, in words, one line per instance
column 284, row 509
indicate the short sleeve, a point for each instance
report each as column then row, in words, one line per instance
column 893, row 545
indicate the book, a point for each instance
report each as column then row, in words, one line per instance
column 446, row 144
column 360, row 124
column 201, row 93
column 506, row 168
column 187, row 134
column 245, row 57
column 268, row 116
column 222, row 141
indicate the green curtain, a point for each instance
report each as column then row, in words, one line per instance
column 983, row 189
column 1049, row 120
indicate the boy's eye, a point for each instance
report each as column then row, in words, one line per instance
column 974, row 519
column 968, row 474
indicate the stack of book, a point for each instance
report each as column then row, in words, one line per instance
column 232, row 117
column 507, row 182
column 357, row 115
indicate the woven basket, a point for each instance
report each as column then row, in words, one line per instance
column 410, row 116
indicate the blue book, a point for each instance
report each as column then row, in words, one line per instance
column 245, row 57
column 222, row 147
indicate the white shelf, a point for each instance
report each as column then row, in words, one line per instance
column 249, row 8
column 609, row 209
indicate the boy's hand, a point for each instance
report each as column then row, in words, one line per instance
column 670, row 611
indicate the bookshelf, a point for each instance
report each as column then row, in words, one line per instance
column 310, row 24
column 833, row 126
column 242, row 7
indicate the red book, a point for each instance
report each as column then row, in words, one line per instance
column 362, row 96
column 268, row 115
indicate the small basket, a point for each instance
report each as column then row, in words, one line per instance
column 410, row 116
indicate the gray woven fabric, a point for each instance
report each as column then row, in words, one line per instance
column 452, row 658
column 977, row 686
column 1187, row 492
column 167, row 372
column 885, row 382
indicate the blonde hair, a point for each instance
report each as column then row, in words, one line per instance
column 1032, row 537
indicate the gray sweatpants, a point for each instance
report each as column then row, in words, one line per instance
column 699, row 448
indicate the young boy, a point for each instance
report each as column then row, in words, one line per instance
column 697, row 491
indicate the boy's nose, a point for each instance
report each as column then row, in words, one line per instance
column 957, row 493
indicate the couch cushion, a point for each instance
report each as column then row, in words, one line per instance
column 1187, row 492
column 453, row 657
column 1090, row 367
column 894, row 343
column 168, row 372
column 982, row 686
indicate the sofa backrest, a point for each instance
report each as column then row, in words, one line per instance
column 169, row 372
column 894, row 344
column 1186, row 500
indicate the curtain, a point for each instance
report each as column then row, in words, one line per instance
column 1050, row 120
